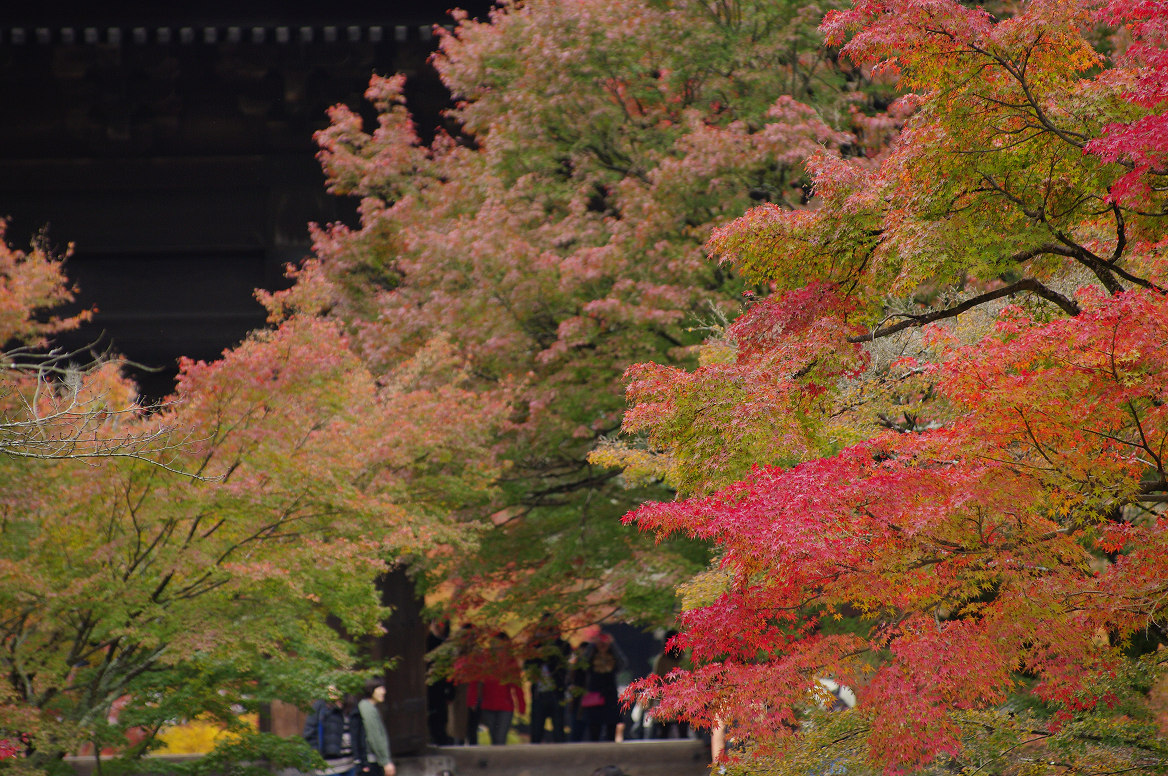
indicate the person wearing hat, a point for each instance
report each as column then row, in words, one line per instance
column 334, row 729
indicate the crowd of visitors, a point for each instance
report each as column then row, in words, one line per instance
column 574, row 691
column 481, row 680
column 349, row 733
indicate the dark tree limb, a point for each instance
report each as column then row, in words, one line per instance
column 1028, row 284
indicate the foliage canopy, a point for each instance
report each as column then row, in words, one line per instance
column 557, row 236
column 157, row 566
column 933, row 460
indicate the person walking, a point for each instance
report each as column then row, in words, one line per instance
column 599, row 708
column 547, row 670
column 376, row 738
column 465, row 717
column 334, row 729
column 499, row 695
column 669, row 660
column 439, row 689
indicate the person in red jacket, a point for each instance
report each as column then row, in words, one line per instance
column 501, row 693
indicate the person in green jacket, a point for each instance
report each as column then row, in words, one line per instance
column 376, row 739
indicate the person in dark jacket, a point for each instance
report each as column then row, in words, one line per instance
column 334, row 729
column 547, row 670
column 669, row 660
column 439, row 690
column 596, row 672
column 466, row 715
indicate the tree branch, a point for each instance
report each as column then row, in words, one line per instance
column 1028, row 284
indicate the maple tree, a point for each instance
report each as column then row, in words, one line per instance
column 191, row 579
column 52, row 403
column 932, row 460
column 555, row 237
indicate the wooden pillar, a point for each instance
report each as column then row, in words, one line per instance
column 404, row 710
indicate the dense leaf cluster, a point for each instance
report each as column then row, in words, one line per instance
column 204, row 557
column 556, row 237
column 933, row 461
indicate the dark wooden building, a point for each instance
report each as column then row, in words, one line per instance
column 171, row 143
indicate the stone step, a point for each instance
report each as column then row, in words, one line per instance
column 636, row 758
column 686, row 757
